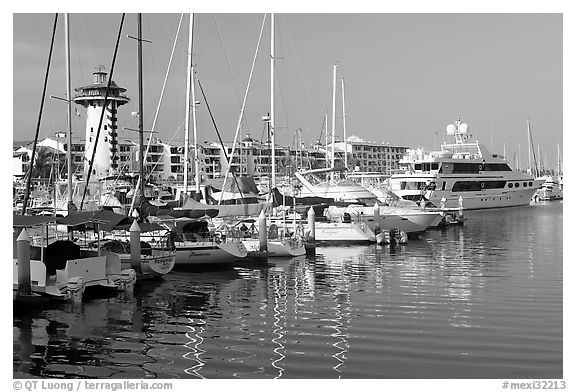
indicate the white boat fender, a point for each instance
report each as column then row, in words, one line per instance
column 127, row 280
column 75, row 289
column 383, row 238
column 401, row 237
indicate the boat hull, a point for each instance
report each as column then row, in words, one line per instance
column 157, row 264
column 472, row 200
column 339, row 232
column 209, row 253
column 276, row 248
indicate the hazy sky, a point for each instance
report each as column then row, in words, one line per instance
column 406, row 75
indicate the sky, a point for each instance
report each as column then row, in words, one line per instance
column 406, row 76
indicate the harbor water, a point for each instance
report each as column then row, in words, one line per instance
column 483, row 300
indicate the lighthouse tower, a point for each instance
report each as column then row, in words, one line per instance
column 92, row 98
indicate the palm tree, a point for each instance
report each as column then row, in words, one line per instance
column 45, row 160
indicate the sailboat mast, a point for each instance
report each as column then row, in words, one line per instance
column 539, row 164
column 140, row 109
column 194, row 127
column 187, row 124
column 272, row 115
column 195, row 131
column 326, row 139
column 344, row 127
column 333, row 117
column 69, row 99
column 529, row 152
column 558, row 166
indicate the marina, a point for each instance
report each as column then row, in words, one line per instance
column 463, row 301
column 274, row 251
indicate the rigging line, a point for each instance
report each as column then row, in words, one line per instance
column 228, row 160
column 169, row 142
column 322, row 129
column 245, row 98
column 103, row 109
column 314, row 111
column 277, row 81
column 245, row 121
column 157, row 110
column 283, row 104
column 29, row 178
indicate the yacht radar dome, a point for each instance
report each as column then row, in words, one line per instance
column 451, row 129
column 463, row 128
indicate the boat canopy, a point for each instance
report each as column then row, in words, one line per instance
column 32, row 220
column 280, row 199
column 244, row 185
column 107, row 220
column 231, row 209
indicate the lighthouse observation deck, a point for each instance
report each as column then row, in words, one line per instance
column 96, row 92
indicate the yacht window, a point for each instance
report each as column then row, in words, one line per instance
column 525, row 184
column 510, row 185
column 517, row 185
column 443, row 185
column 417, row 166
column 435, row 166
column 470, row 186
column 530, row 183
column 466, row 168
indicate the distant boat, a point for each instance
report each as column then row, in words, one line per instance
column 551, row 189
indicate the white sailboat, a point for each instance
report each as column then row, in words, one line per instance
column 194, row 245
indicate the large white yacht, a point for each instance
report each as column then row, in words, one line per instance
column 463, row 174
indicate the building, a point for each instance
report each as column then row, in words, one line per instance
column 367, row 156
column 93, row 97
column 165, row 161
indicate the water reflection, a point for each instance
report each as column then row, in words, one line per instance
column 454, row 302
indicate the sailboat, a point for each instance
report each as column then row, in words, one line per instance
column 333, row 183
column 194, row 244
